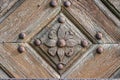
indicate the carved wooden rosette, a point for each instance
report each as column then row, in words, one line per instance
column 61, row 44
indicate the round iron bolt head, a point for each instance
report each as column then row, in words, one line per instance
column 37, row 42
column 22, row 35
column 61, row 43
column 21, row 49
column 99, row 35
column 100, row 50
column 84, row 43
column 53, row 3
column 67, row 3
column 61, row 19
column 60, row 66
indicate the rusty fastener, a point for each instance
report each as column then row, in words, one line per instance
column 53, row 3
column 60, row 66
column 99, row 50
column 61, row 43
column 84, row 43
column 37, row 42
column 61, row 19
column 99, row 35
column 21, row 49
column 67, row 3
column 22, row 35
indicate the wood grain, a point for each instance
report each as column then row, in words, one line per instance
column 34, row 15
column 113, row 7
column 29, row 18
column 50, row 37
column 107, row 12
column 116, row 74
column 99, row 65
column 24, row 65
column 86, row 13
column 3, row 74
column 9, row 11
column 5, row 5
column 116, row 4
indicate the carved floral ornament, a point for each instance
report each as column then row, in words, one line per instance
column 61, row 41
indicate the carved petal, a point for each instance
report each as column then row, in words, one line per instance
column 69, row 51
column 60, row 53
column 71, row 42
column 51, row 42
column 69, row 35
column 52, row 51
column 61, row 32
column 52, row 34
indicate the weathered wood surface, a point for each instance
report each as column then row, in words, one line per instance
column 112, row 6
column 116, row 74
column 86, row 13
column 32, row 16
column 98, row 65
column 3, row 74
column 107, row 12
column 68, row 53
column 11, row 9
column 29, row 18
column 115, row 3
column 5, row 5
column 26, row 65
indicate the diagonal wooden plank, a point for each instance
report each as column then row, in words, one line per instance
column 98, row 65
column 113, row 7
column 93, row 20
column 5, row 5
column 3, row 74
column 116, row 4
column 24, row 65
column 116, row 74
column 11, row 6
column 107, row 12
column 29, row 18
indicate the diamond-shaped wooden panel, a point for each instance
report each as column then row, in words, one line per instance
column 60, row 43
column 60, row 38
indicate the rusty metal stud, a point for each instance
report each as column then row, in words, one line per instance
column 99, row 50
column 61, row 43
column 60, row 66
column 67, row 3
column 99, row 35
column 53, row 3
column 22, row 35
column 37, row 42
column 84, row 43
column 21, row 49
column 61, row 19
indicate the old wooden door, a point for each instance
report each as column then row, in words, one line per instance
column 59, row 39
